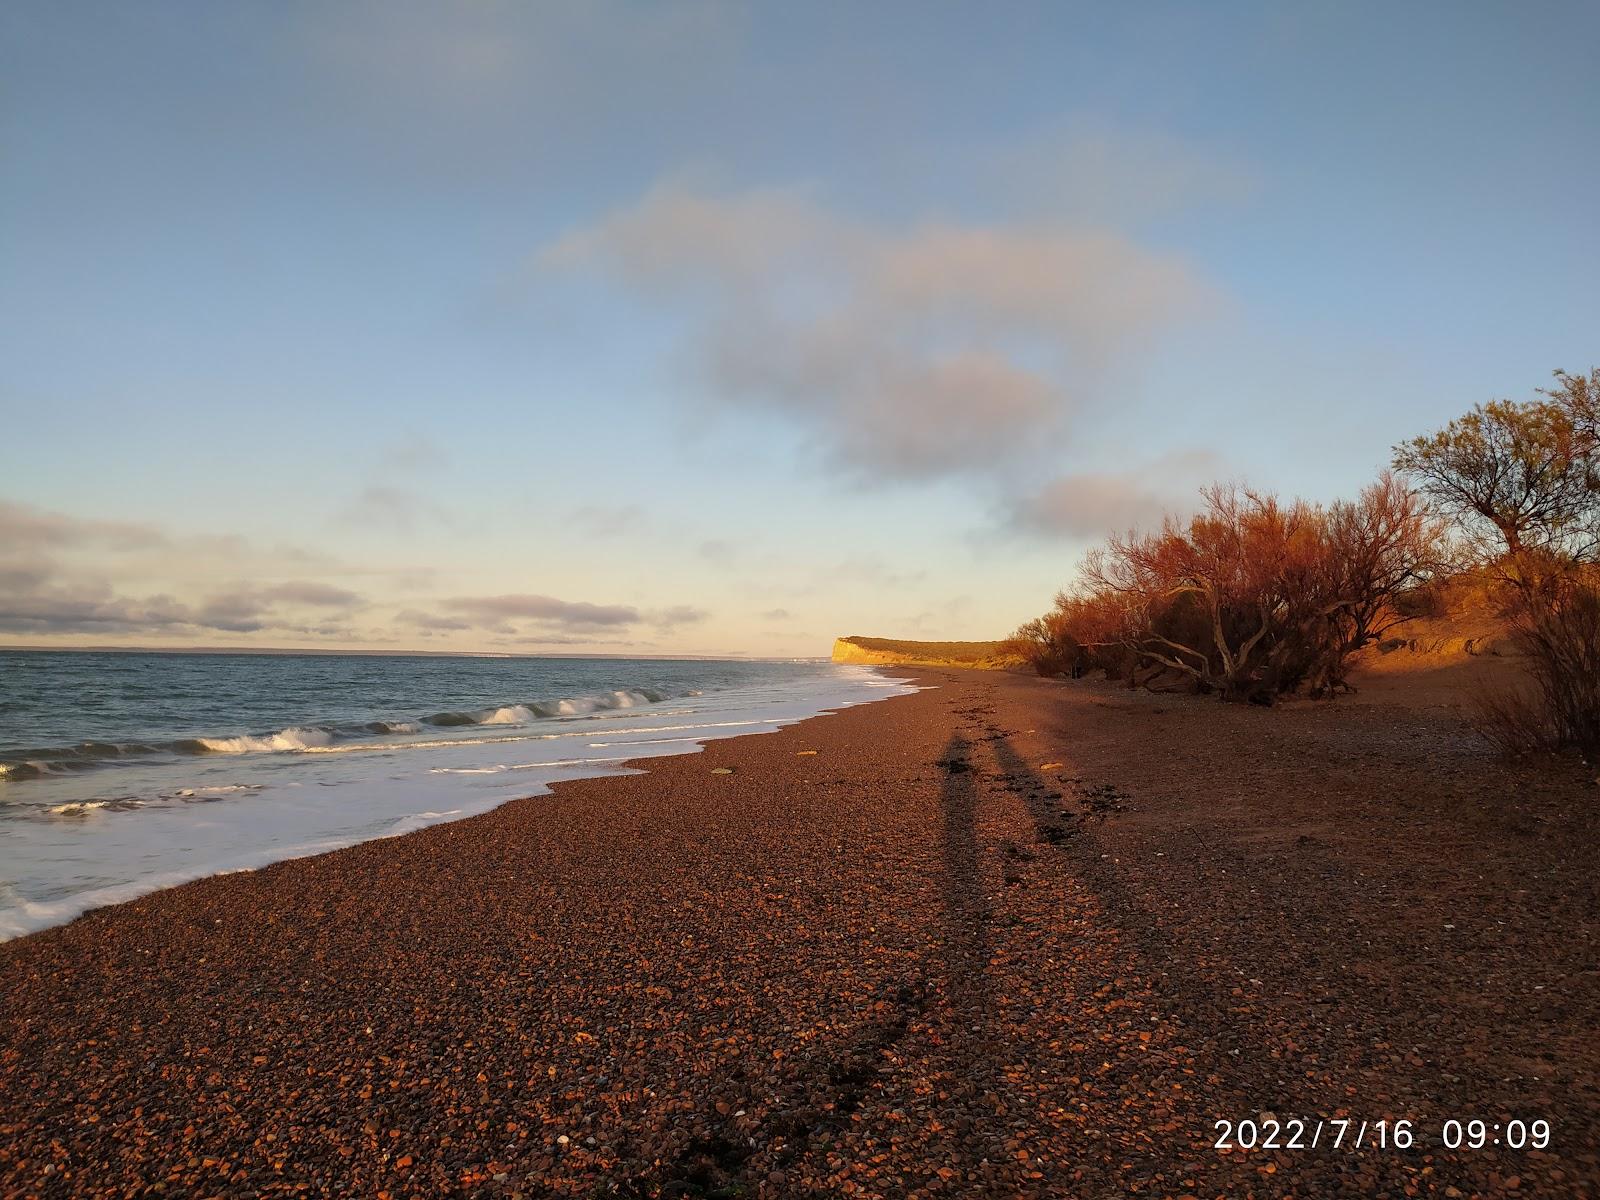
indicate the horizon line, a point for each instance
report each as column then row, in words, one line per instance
column 37, row 648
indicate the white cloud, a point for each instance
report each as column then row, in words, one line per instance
column 1095, row 504
column 919, row 352
column 68, row 575
column 496, row 612
column 25, row 525
column 678, row 615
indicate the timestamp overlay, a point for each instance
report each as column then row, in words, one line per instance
column 1459, row 1155
column 1269, row 1132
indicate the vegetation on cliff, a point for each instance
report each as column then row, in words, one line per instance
column 899, row 652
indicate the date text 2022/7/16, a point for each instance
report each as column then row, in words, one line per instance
column 1349, row 1133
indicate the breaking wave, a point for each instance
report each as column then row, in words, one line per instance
column 303, row 739
column 79, row 809
column 295, row 738
column 572, row 706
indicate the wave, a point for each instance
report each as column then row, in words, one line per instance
column 188, row 795
column 27, row 769
column 537, row 710
column 57, row 760
column 512, row 714
column 79, row 809
column 293, row 738
column 304, row 739
column 421, row 820
column 392, row 727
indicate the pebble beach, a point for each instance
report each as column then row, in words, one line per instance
column 1000, row 937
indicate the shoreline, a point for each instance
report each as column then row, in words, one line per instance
column 114, row 829
column 973, row 944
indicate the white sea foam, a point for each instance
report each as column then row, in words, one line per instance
column 571, row 706
column 438, row 743
column 420, row 820
column 77, row 808
column 19, row 915
column 641, row 742
column 553, row 762
column 30, row 768
column 511, row 714
column 450, row 743
column 295, row 738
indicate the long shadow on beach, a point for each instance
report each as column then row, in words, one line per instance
column 965, row 908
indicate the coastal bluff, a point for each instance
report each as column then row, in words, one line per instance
column 988, row 656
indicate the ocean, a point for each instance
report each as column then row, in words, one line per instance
column 121, row 773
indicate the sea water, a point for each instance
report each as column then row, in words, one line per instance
column 121, row 773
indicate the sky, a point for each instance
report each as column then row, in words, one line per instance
column 732, row 328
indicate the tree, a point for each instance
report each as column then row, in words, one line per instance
column 1518, row 477
column 1378, row 547
column 1523, row 483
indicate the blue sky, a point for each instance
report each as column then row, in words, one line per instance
column 731, row 328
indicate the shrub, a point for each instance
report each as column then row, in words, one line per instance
column 1514, row 722
column 1045, row 645
column 1254, row 598
column 1558, row 630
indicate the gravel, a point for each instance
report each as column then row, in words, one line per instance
column 883, row 953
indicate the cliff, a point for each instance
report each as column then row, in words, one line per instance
column 987, row 656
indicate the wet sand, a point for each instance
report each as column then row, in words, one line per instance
column 1005, row 937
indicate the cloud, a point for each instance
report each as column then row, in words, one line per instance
column 546, row 619
column 45, row 599
column 916, row 352
column 88, row 608
column 718, row 551
column 777, row 614
column 23, row 525
column 317, row 595
column 431, row 622
column 681, row 614
column 92, row 607
column 392, row 497
column 62, row 576
column 23, row 575
column 496, row 612
column 1094, row 504
column 65, row 575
